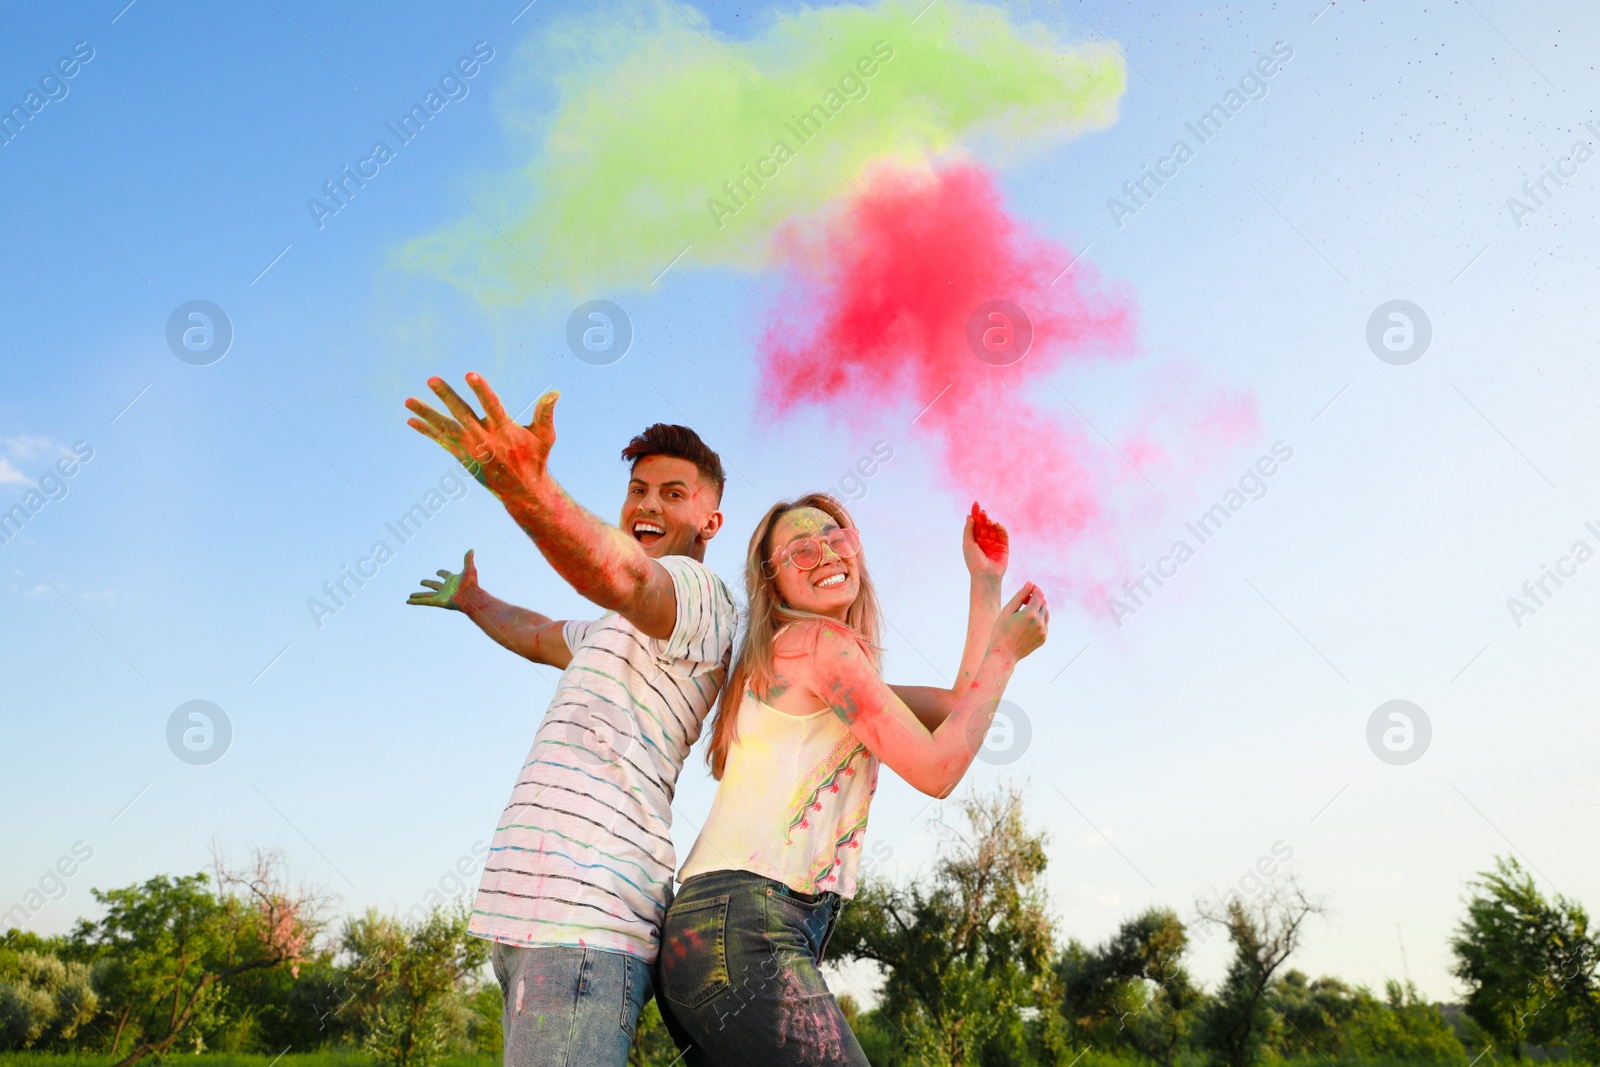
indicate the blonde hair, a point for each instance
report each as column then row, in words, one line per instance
column 766, row 614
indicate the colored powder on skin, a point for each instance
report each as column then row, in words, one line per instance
column 873, row 319
column 987, row 534
column 629, row 145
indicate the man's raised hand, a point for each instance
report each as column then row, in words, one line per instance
column 454, row 593
column 507, row 458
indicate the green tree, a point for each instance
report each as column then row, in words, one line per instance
column 1326, row 1017
column 1315, row 1016
column 1133, row 991
column 275, row 1009
column 1583, row 1040
column 1237, row 1024
column 966, row 955
column 410, row 984
column 1528, row 963
column 168, row 949
column 1405, row 1027
column 485, row 1025
column 652, row 1045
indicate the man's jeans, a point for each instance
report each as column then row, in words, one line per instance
column 569, row 1007
column 739, row 978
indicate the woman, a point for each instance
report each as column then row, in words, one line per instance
column 802, row 723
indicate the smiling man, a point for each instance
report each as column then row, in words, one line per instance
column 579, row 872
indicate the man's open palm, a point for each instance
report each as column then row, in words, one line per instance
column 505, row 457
column 452, row 593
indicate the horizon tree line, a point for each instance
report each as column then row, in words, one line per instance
column 974, row 973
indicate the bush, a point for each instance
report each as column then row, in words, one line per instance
column 1406, row 1028
column 43, row 1002
column 652, row 1045
column 409, row 986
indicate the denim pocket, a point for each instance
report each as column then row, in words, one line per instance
column 795, row 925
column 694, row 952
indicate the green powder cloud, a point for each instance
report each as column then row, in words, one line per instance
column 669, row 145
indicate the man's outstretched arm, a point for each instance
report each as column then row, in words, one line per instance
column 602, row 563
column 527, row 633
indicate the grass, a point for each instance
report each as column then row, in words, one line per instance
column 318, row 1058
column 345, row 1057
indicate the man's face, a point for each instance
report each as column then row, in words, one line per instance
column 670, row 510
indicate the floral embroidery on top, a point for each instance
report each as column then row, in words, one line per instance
column 824, row 776
column 847, row 834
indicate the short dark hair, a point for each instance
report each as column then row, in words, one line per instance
column 680, row 442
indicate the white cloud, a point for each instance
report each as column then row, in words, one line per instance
column 25, row 446
column 9, row 475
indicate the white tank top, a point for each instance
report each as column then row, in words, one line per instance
column 792, row 804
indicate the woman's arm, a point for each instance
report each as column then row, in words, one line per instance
column 985, row 546
column 841, row 675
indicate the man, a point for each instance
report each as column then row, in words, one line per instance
column 580, row 870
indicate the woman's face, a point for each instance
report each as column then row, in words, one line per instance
column 831, row 586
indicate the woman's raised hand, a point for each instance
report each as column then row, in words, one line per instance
column 985, row 545
column 1023, row 625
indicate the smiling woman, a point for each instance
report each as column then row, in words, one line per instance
column 781, row 849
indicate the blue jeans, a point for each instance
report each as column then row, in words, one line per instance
column 569, row 1007
column 739, row 979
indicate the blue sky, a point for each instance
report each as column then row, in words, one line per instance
column 1167, row 756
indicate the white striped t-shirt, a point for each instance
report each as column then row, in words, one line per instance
column 583, row 853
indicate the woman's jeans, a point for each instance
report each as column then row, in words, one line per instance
column 569, row 1007
column 738, row 975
